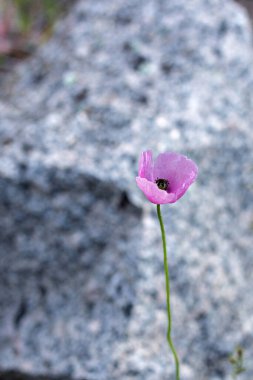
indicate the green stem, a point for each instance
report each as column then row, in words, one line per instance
column 167, row 277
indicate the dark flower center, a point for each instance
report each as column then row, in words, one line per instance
column 162, row 184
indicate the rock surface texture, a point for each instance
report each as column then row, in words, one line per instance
column 82, row 292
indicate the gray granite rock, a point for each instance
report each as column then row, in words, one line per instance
column 82, row 286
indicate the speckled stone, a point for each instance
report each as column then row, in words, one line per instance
column 81, row 273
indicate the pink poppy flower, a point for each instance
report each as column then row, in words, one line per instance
column 166, row 179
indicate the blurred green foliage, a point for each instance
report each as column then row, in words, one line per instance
column 31, row 11
column 24, row 24
column 236, row 361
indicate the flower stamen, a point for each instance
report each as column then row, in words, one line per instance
column 162, row 184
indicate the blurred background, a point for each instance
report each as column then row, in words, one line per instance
column 25, row 24
column 85, row 86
